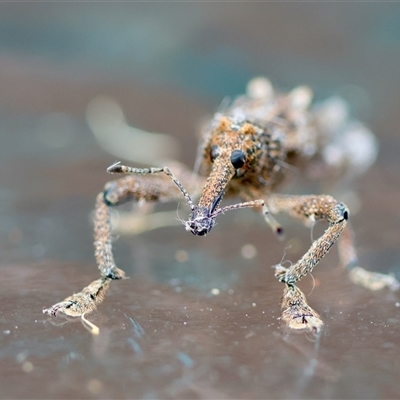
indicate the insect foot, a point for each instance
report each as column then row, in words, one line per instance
column 83, row 302
column 296, row 313
column 373, row 280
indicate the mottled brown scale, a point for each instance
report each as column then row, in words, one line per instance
column 245, row 152
column 261, row 170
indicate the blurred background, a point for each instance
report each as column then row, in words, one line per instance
column 199, row 317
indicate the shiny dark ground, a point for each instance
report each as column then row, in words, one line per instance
column 198, row 317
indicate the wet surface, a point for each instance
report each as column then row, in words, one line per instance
column 199, row 317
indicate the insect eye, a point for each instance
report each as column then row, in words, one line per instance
column 238, row 159
column 215, row 152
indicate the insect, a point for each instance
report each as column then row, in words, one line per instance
column 247, row 151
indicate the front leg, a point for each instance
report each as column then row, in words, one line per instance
column 103, row 239
column 296, row 312
column 83, row 302
column 146, row 186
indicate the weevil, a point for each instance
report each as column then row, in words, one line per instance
column 247, row 151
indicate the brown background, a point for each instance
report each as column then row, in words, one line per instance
column 163, row 333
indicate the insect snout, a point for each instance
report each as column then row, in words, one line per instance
column 200, row 221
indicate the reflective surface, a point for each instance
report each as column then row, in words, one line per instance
column 198, row 317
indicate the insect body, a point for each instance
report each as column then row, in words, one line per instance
column 247, row 151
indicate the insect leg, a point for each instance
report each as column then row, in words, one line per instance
column 140, row 188
column 296, row 312
column 358, row 275
column 85, row 301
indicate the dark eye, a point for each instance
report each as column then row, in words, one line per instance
column 214, row 152
column 238, row 159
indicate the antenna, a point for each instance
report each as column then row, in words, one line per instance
column 118, row 168
column 254, row 203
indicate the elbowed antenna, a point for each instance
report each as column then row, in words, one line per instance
column 246, row 204
column 118, row 168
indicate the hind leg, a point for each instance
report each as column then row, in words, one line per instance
column 358, row 275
